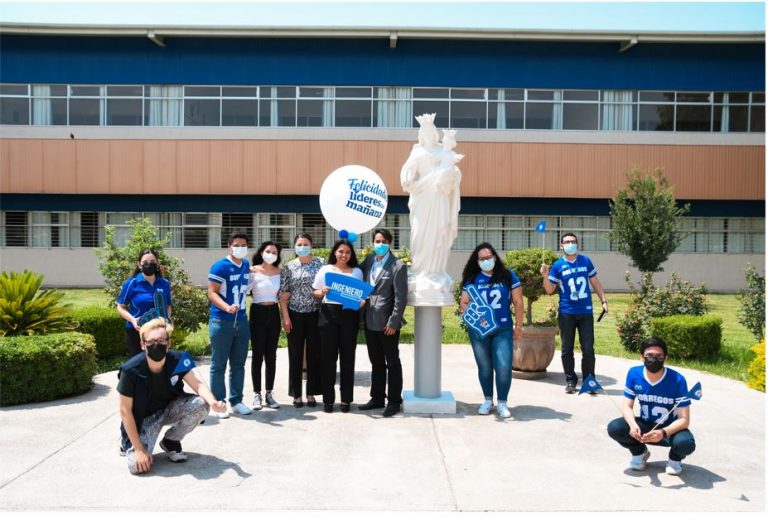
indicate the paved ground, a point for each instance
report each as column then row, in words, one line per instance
column 553, row 455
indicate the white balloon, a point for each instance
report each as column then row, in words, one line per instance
column 353, row 198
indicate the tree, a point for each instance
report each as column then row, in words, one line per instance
column 752, row 300
column 116, row 264
column 647, row 222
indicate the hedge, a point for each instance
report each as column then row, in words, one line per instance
column 689, row 337
column 756, row 369
column 45, row 367
column 106, row 327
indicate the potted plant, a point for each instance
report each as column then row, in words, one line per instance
column 536, row 348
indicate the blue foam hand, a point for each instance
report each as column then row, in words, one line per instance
column 479, row 315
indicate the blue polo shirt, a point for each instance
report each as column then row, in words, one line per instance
column 139, row 295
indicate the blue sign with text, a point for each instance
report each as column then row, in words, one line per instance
column 346, row 290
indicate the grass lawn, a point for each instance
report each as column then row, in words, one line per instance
column 732, row 362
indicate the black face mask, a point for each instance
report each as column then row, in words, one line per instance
column 157, row 351
column 653, row 366
column 149, row 269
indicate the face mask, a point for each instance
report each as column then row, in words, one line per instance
column 570, row 249
column 303, row 250
column 654, row 365
column 381, row 249
column 149, row 269
column 240, row 252
column 487, row 264
column 269, row 258
column 156, row 351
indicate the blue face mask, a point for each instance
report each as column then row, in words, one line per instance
column 381, row 249
column 570, row 249
column 487, row 264
column 303, row 250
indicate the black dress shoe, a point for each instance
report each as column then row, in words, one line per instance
column 370, row 405
column 298, row 403
column 311, row 403
column 344, row 407
column 391, row 409
column 328, row 408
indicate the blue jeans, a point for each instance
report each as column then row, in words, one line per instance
column 229, row 343
column 494, row 353
column 681, row 444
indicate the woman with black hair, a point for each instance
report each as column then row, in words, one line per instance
column 264, row 319
column 137, row 297
column 487, row 283
column 338, row 328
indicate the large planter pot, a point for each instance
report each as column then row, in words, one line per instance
column 534, row 352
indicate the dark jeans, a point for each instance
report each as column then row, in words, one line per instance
column 338, row 340
column 304, row 331
column 132, row 342
column 568, row 324
column 386, row 369
column 264, row 321
column 681, row 443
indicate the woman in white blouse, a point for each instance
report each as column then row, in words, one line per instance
column 263, row 286
column 338, row 328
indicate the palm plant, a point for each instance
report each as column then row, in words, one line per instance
column 27, row 310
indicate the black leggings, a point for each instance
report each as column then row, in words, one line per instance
column 304, row 332
column 338, row 340
column 264, row 321
column 132, row 342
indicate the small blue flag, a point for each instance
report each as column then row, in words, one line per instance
column 186, row 363
column 695, row 392
column 590, row 384
column 541, row 227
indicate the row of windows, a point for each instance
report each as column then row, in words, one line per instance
column 381, row 107
column 505, row 232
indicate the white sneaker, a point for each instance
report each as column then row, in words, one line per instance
column 503, row 411
column 220, row 415
column 674, row 467
column 241, row 409
column 271, row 401
column 638, row 462
column 173, row 449
column 485, row 408
column 257, row 402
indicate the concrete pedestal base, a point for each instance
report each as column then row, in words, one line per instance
column 443, row 404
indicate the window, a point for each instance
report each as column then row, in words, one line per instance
column 87, row 105
column 314, row 224
column 125, row 106
column 88, row 230
column 392, row 107
column 202, row 230
column 15, row 229
column 14, row 104
column 202, row 106
column 163, row 105
column 277, row 106
column 280, row 228
column 239, row 106
column 237, row 223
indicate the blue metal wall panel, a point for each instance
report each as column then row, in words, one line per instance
column 234, row 61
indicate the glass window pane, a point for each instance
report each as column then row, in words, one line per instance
column 693, row 118
column 14, row 90
column 655, row 117
column 505, row 115
column 309, row 113
column 84, row 111
column 735, row 120
column 354, row 92
column 84, row 91
column 278, row 92
column 201, row 91
column 506, row 94
column 468, row 114
column 438, row 93
column 457, row 93
column 693, row 97
column 431, row 107
column 733, row 97
column 49, row 111
column 757, row 119
column 546, row 95
column 581, row 95
column 656, row 96
column 758, row 97
column 277, row 112
column 353, row 113
column 238, row 92
column 124, row 112
column 239, row 112
column 311, row 91
column 14, row 111
column 580, row 116
column 538, row 116
column 201, row 112
column 125, row 91
column 58, row 90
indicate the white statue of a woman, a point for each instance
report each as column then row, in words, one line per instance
column 432, row 178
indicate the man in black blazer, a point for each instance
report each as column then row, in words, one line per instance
column 383, row 320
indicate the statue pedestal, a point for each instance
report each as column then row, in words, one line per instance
column 427, row 397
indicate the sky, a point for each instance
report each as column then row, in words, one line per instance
column 516, row 15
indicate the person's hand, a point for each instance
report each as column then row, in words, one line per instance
column 543, row 269
column 605, row 305
column 284, row 297
column 143, row 460
column 219, row 406
column 233, row 309
column 654, row 436
column 634, row 432
column 325, row 290
column 135, row 322
column 389, row 331
column 362, row 303
column 518, row 333
column 287, row 325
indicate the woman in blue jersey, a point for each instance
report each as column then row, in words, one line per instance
column 487, row 285
column 137, row 297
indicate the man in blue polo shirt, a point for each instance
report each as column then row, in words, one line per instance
column 228, row 326
column 572, row 274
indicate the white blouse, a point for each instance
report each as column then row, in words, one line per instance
column 263, row 288
column 319, row 282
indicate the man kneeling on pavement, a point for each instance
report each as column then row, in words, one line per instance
column 151, row 389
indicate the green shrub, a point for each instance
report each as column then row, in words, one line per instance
column 756, row 369
column 526, row 264
column 689, row 337
column 45, row 367
column 26, row 310
column 106, row 327
column 752, row 300
column 632, row 328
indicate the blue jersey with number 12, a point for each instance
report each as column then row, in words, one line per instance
column 498, row 296
column 657, row 399
column 573, row 280
column 234, row 281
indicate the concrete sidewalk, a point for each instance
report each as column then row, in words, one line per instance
column 553, row 455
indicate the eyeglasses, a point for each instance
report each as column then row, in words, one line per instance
column 651, row 358
column 570, row 242
column 152, row 344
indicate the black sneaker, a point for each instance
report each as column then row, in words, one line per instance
column 173, row 449
column 570, row 389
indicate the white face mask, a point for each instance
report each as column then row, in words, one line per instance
column 240, row 252
column 269, row 258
